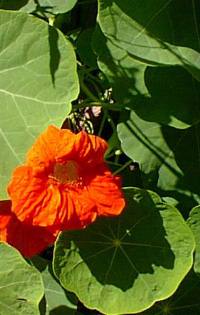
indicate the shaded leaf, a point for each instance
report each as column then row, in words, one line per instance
column 84, row 48
column 38, row 82
column 168, row 95
column 123, row 265
column 185, row 301
column 21, row 287
column 150, row 31
column 168, row 157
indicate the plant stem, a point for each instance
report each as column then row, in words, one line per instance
column 122, row 167
column 105, row 114
column 87, row 91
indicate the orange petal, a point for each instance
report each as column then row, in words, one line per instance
column 29, row 240
column 34, row 200
column 88, row 150
column 52, row 142
column 105, row 190
column 81, row 210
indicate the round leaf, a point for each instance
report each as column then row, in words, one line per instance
column 21, row 287
column 37, row 84
column 123, row 265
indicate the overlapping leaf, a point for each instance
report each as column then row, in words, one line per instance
column 168, row 156
column 150, row 31
column 38, row 82
column 21, row 287
column 123, row 265
column 167, row 95
column 43, row 6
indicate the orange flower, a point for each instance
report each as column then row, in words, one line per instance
column 29, row 240
column 65, row 182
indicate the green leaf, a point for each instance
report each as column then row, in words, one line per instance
column 194, row 223
column 157, row 32
column 124, row 73
column 123, row 265
column 84, row 48
column 56, row 301
column 21, row 287
column 38, row 82
column 45, row 6
column 168, row 95
column 168, row 157
column 185, row 301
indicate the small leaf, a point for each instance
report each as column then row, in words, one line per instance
column 123, row 265
column 21, row 287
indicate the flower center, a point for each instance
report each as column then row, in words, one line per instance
column 66, row 173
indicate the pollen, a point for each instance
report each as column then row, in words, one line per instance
column 66, row 173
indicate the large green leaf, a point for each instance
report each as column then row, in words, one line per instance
column 123, row 265
column 185, row 301
column 168, row 95
column 194, row 223
column 45, row 6
column 21, row 287
column 157, row 32
column 168, row 156
column 38, row 82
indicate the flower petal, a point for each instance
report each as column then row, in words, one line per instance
column 88, row 149
column 34, row 200
column 51, row 143
column 81, row 209
column 29, row 240
column 105, row 190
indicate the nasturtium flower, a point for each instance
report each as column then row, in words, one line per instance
column 29, row 240
column 65, row 183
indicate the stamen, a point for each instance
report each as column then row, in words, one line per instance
column 66, row 173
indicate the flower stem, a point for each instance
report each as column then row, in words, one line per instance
column 122, row 167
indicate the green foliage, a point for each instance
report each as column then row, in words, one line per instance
column 21, row 287
column 42, row 6
column 194, row 223
column 120, row 266
column 38, row 82
column 145, row 30
column 139, row 72
column 56, row 300
column 163, row 155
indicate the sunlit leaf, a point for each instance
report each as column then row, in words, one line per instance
column 194, row 223
column 38, row 82
column 21, row 287
column 123, row 265
column 43, row 6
